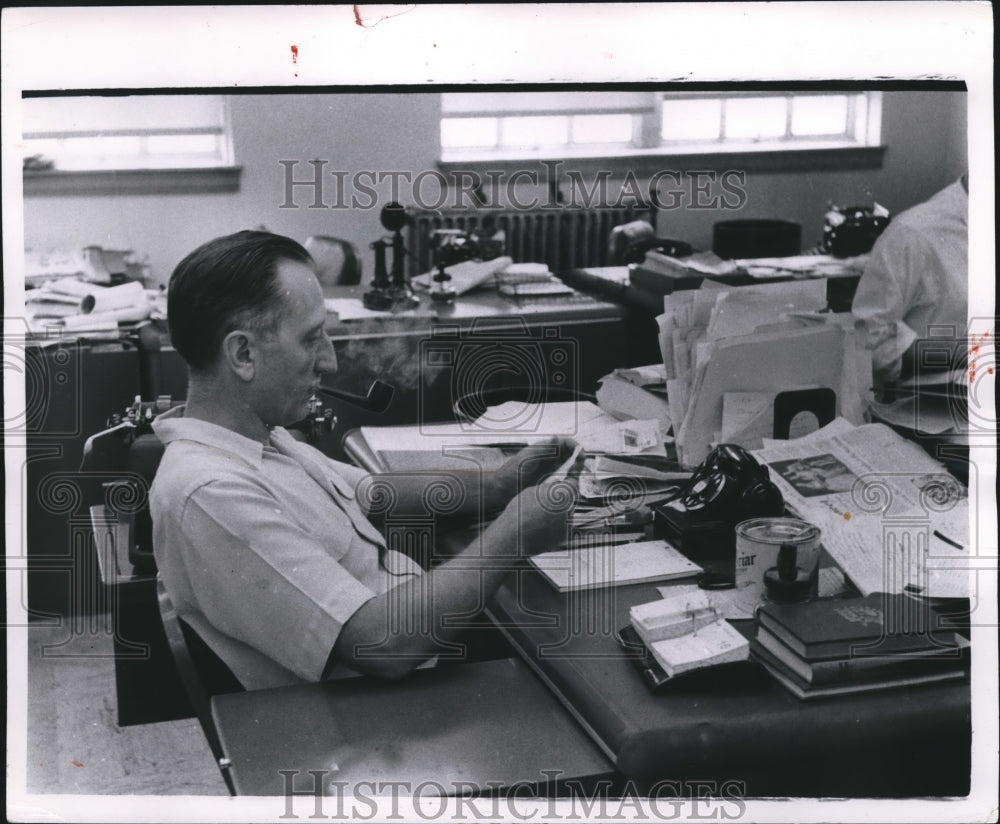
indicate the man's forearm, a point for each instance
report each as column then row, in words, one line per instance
column 395, row 631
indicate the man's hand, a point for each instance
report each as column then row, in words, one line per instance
column 537, row 461
column 542, row 511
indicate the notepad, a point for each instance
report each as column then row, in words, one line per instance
column 590, row 567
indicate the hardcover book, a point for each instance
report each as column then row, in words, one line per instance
column 807, row 692
column 877, row 625
column 860, row 669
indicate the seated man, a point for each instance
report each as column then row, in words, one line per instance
column 262, row 541
column 917, row 277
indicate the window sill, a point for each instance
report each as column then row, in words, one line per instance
column 824, row 158
column 133, row 181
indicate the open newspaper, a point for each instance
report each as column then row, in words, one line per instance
column 891, row 516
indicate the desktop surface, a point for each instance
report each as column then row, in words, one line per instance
column 465, row 727
column 746, row 729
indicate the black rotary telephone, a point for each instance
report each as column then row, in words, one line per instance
column 729, row 487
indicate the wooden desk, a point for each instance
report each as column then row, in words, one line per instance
column 898, row 743
column 462, row 728
column 893, row 744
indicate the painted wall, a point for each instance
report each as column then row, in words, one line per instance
column 925, row 133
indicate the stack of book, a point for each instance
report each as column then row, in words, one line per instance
column 839, row 646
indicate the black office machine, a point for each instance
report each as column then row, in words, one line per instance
column 853, row 230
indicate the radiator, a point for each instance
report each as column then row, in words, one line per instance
column 565, row 238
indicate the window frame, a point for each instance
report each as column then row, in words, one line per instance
column 858, row 147
column 181, row 177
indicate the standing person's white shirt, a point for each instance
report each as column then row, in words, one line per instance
column 916, row 278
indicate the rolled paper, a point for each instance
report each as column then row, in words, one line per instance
column 72, row 287
column 114, row 297
column 122, row 315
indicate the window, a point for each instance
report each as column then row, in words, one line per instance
column 127, row 132
column 513, row 125
column 770, row 120
column 527, row 124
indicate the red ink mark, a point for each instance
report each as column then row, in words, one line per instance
column 76, row 763
column 295, row 57
column 974, row 353
column 989, row 371
column 357, row 16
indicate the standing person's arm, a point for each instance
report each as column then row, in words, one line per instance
column 887, row 289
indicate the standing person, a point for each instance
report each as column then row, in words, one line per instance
column 917, row 277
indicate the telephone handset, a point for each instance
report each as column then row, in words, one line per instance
column 731, row 486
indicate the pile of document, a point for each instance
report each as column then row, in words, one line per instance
column 613, row 490
column 700, row 263
column 508, row 278
column 728, row 351
column 639, row 392
column 72, row 305
column 91, row 264
column 803, row 266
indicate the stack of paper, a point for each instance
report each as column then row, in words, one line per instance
column 467, row 275
column 604, row 478
column 640, row 392
column 728, row 351
column 685, row 632
column 601, row 565
column 700, row 263
column 816, row 266
column 73, row 305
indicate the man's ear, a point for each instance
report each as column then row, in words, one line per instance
column 239, row 353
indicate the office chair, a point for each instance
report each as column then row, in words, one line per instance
column 202, row 673
column 337, row 260
column 629, row 243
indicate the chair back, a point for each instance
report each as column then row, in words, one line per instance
column 200, row 675
column 756, row 238
column 337, row 260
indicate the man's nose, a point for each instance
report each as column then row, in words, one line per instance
column 327, row 361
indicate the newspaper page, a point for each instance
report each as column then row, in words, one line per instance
column 891, row 516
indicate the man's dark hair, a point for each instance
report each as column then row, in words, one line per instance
column 228, row 283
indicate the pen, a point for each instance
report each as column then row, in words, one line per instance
column 948, row 540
